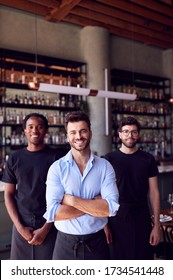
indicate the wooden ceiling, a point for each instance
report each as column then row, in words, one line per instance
column 147, row 21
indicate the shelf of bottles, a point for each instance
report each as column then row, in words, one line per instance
column 155, row 134
column 18, row 103
column 151, row 108
column 25, row 69
column 20, row 75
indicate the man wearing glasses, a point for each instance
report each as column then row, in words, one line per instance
column 133, row 237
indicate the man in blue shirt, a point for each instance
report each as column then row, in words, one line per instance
column 81, row 194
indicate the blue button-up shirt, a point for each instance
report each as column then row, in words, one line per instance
column 64, row 177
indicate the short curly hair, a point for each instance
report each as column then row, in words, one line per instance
column 129, row 121
column 36, row 115
column 76, row 116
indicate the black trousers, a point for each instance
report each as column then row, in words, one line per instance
column 81, row 247
column 21, row 250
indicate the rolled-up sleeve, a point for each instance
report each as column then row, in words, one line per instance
column 109, row 190
column 54, row 192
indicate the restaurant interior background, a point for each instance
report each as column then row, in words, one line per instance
column 120, row 46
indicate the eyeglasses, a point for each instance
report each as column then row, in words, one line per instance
column 132, row 132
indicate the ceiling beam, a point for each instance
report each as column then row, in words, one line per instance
column 64, row 8
column 116, row 13
column 141, row 38
column 119, row 23
column 120, row 32
column 139, row 11
column 156, row 6
column 46, row 3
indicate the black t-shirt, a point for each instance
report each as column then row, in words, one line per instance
column 132, row 173
column 28, row 171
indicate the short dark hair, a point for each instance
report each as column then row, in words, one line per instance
column 76, row 116
column 129, row 121
column 36, row 115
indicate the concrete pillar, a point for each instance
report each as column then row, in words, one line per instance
column 95, row 50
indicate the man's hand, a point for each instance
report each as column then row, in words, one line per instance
column 108, row 234
column 26, row 232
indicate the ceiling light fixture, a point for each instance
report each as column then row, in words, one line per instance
column 85, row 92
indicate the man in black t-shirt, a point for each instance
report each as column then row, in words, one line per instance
column 136, row 171
column 25, row 176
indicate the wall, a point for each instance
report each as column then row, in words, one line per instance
column 18, row 32
column 130, row 55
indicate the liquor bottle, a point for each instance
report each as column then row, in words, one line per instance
column 26, row 98
column 23, row 76
column 8, row 140
column 16, row 100
column 22, row 139
column 17, row 141
column 61, row 118
column 1, row 116
column 51, row 78
column 39, row 100
column 12, row 76
column 35, row 99
column 47, row 101
column 55, row 118
column 60, row 80
column 69, row 81
column 13, row 139
column 63, row 102
column 70, row 101
column 58, row 117
column 50, row 119
column 34, row 77
column 30, row 100
column 17, row 117
column 21, row 99
column 151, row 93
column 21, row 117
column 42, row 100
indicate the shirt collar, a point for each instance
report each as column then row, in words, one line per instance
column 69, row 157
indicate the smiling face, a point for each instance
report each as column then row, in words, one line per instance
column 35, row 131
column 78, row 135
column 129, row 135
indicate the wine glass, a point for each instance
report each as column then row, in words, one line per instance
column 170, row 201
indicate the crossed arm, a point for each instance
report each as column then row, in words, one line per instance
column 73, row 207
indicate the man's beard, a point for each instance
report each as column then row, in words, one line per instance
column 82, row 148
column 129, row 145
